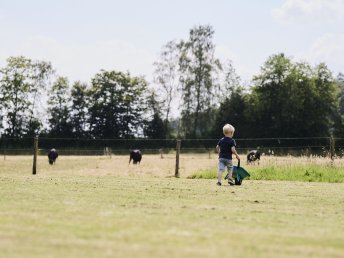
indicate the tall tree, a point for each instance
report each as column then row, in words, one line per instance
column 155, row 128
column 79, row 110
column 133, row 105
column 166, row 76
column 198, row 67
column 232, row 110
column 21, row 81
column 338, row 129
column 231, row 103
column 116, row 105
column 287, row 96
column 59, row 109
column 269, row 95
column 42, row 72
column 230, row 82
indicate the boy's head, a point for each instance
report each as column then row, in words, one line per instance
column 228, row 130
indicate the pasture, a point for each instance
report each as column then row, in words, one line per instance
column 102, row 207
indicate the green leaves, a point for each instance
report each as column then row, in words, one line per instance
column 22, row 81
column 59, row 108
column 197, row 65
column 116, row 105
column 292, row 99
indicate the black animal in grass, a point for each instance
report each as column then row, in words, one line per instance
column 136, row 156
column 252, row 156
column 52, row 156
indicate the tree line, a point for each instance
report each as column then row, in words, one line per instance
column 193, row 95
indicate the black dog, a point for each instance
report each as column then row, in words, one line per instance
column 252, row 156
column 52, row 156
column 136, row 156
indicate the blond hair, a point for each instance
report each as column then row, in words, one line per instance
column 228, row 129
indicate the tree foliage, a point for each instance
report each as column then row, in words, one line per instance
column 155, row 127
column 292, row 99
column 116, row 105
column 21, row 83
column 79, row 110
column 233, row 111
column 59, row 109
column 166, row 76
column 286, row 98
column 198, row 67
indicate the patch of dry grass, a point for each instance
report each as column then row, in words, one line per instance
column 151, row 165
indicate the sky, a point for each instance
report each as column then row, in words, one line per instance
column 81, row 37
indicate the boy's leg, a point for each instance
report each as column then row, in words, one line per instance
column 230, row 172
column 219, row 177
column 221, row 169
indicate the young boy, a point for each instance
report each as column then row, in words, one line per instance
column 226, row 147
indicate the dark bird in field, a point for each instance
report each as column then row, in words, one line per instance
column 252, row 156
column 52, row 156
column 136, row 156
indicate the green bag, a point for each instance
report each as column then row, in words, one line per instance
column 239, row 173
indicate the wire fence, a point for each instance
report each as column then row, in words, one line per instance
column 306, row 146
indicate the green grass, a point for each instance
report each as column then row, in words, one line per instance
column 204, row 174
column 109, row 216
column 58, row 214
column 302, row 173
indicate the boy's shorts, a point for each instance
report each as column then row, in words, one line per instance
column 223, row 163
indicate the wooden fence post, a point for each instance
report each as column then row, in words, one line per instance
column 176, row 174
column 35, row 152
column 332, row 148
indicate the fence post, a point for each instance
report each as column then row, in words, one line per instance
column 176, row 174
column 35, row 151
column 332, row 149
column 161, row 153
column 4, row 148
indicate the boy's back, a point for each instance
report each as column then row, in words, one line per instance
column 226, row 144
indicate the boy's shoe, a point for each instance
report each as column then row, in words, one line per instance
column 231, row 181
column 218, row 183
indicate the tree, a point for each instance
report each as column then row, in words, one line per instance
column 21, row 82
column 338, row 129
column 105, row 97
column 340, row 89
column 155, row 127
column 232, row 110
column 42, row 71
column 133, row 106
column 198, row 67
column 116, row 105
column 166, row 76
column 232, row 106
column 269, row 96
column 79, row 110
column 230, row 83
column 59, row 109
column 326, row 101
column 291, row 99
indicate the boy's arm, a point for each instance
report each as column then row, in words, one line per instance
column 217, row 148
column 235, row 153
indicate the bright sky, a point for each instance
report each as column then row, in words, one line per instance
column 80, row 37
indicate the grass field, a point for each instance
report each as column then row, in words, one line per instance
column 302, row 172
column 101, row 207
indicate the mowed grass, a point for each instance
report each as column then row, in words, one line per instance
column 90, row 209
